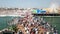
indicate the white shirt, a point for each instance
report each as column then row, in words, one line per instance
column 47, row 32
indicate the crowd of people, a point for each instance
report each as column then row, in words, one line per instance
column 35, row 25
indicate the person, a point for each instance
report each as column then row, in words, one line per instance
column 55, row 32
column 27, row 32
column 36, row 30
column 32, row 32
column 47, row 32
column 20, row 32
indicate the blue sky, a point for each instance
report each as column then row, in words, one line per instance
column 27, row 3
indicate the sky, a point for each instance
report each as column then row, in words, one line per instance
column 27, row 3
